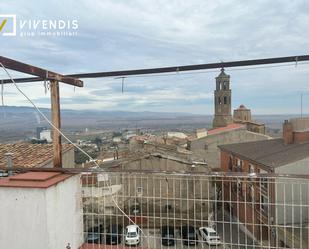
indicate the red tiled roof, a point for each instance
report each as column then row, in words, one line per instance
column 226, row 128
column 29, row 155
column 34, row 179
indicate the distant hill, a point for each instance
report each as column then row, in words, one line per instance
column 15, row 118
column 22, row 111
column 19, row 122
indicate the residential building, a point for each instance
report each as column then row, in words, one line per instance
column 117, row 139
column 99, row 195
column 199, row 133
column 206, row 147
column 46, row 134
column 35, row 155
column 38, row 131
column 176, row 134
column 261, row 200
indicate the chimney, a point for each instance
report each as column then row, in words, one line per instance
column 288, row 132
column 8, row 157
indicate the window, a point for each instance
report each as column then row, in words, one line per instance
column 139, row 190
column 251, row 168
column 251, row 192
column 224, row 85
column 231, row 164
column 239, row 187
column 239, row 165
column 264, row 183
column 225, row 100
column 106, row 190
column 219, row 100
column 167, row 208
column 264, row 203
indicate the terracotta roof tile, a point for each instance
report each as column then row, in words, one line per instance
column 226, row 128
column 34, row 180
column 29, row 155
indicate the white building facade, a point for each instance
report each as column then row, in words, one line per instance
column 41, row 210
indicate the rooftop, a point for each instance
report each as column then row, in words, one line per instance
column 29, row 155
column 239, row 121
column 222, row 73
column 271, row 153
column 229, row 127
column 34, row 180
column 242, row 107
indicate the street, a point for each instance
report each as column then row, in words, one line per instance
column 233, row 236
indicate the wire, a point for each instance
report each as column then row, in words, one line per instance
column 77, row 147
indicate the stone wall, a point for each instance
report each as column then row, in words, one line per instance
column 207, row 147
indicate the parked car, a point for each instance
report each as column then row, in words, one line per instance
column 113, row 234
column 94, row 235
column 135, row 210
column 210, row 236
column 132, row 235
column 168, row 235
column 189, row 235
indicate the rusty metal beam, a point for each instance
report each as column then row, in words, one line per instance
column 36, row 71
column 242, row 63
column 55, row 109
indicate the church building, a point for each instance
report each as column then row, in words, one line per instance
column 222, row 101
column 223, row 107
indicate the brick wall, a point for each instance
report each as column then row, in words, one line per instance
column 301, row 137
column 239, row 200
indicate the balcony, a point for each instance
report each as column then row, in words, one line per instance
column 105, row 203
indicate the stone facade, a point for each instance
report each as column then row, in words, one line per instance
column 207, row 147
column 222, row 101
column 242, row 115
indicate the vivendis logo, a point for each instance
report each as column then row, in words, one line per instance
column 11, row 25
column 7, row 25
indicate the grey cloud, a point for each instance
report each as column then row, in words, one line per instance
column 136, row 34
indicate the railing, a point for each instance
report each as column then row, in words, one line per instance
column 187, row 202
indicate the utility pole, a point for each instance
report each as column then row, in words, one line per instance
column 55, row 113
column 301, row 105
column 54, row 79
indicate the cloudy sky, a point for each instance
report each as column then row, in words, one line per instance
column 116, row 35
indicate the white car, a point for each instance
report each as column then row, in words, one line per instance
column 210, row 236
column 132, row 235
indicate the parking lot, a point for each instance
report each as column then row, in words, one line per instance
column 151, row 238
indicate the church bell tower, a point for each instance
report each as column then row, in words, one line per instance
column 222, row 100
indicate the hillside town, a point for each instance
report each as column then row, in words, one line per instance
column 154, row 124
column 235, row 144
